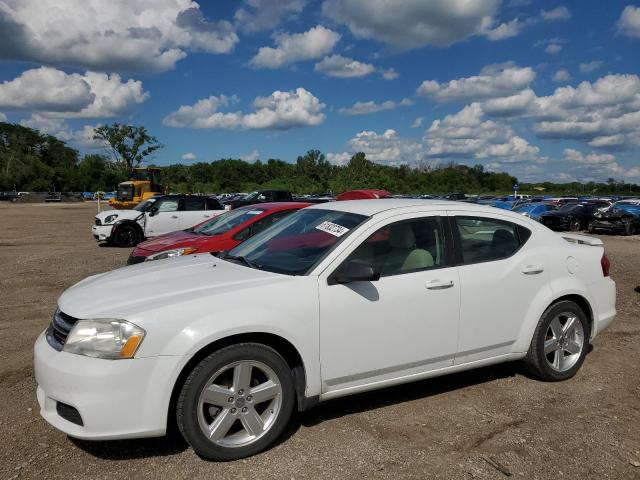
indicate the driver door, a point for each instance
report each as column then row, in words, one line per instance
column 165, row 219
column 403, row 324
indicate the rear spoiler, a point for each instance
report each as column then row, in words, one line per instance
column 581, row 239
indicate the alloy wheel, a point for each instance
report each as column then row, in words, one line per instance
column 564, row 341
column 239, row 403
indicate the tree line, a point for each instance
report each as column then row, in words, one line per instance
column 33, row 161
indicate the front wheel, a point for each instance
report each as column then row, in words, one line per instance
column 126, row 236
column 629, row 229
column 236, row 402
column 559, row 343
column 574, row 225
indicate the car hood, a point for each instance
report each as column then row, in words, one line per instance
column 179, row 239
column 147, row 286
column 122, row 214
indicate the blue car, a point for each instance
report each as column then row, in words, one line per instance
column 533, row 210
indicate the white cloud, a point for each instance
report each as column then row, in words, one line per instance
column 58, row 128
column 389, row 74
column 467, row 134
column 364, row 108
column 251, row 156
column 279, row 111
column 417, row 123
column 343, row 67
column 387, row 148
column 137, row 35
column 188, row 156
column 55, row 93
column 46, row 88
column 557, row 14
column 413, row 23
column 607, row 141
column 593, row 164
column 314, row 43
column 260, row 15
column 591, row 66
column 629, row 21
column 553, row 48
column 504, row 30
column 493, row 81
column 562, row 75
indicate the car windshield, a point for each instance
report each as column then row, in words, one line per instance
column 525, row 208
column 146, row 205
column 225, row 222
column 294, row 245
column 571, row 207
column 251, row 196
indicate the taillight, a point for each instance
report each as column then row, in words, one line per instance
column 606, row 264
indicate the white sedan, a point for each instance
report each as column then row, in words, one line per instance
column 336, row 299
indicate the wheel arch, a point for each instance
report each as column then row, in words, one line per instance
column 582, row 302
column 128, row 221
column 281, row 345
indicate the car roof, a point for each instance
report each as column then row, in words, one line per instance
column 374, row 206
column 275, row 206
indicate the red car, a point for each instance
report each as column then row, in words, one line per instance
column 215, row 235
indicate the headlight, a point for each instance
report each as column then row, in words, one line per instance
column 176, row 252
column 111, row 218
column 104, row 338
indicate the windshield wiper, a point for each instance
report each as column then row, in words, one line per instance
column 242, row 259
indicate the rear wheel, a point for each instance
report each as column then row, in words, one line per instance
column 559, row 343
column 236, row 402
column 126, row 236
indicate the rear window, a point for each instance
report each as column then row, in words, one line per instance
column 486, row 239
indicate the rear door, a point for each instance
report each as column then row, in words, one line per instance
column 193, row 210
column 502, row 271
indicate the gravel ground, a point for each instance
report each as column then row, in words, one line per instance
column 487, row 423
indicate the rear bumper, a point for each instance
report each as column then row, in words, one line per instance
column 604, row 294
column 101, row 232
column 114, row 398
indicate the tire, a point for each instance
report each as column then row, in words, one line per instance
column 590, row 228
column 565, row 355
column 574, row 225
column 126, row 236
column 241, row 425
column 629, row 229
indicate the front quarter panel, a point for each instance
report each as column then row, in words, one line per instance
column 286, row 308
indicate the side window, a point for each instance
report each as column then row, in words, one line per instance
column 403, row 247
column 213, row 204
column 486, row 239
column 169, row 205
column 192, row 204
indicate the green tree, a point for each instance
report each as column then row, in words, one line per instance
column 129, row 145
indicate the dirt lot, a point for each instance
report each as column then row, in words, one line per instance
column 467, row 425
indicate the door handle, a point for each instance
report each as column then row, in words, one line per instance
column 174, row 216
column 439, row 284
column 532, row 269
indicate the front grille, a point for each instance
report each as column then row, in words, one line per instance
column 59, row 329
column 69, row 413
column 133, row 259
column 98, row 222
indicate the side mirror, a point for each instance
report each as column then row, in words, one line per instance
column 354, row 271
column 153, row 211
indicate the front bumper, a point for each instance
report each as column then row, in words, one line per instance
column 101, row 232
column 607, row 226
column 115, row 398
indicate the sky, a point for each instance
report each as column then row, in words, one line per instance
column 540, row 89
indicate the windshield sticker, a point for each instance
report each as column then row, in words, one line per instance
column 254, row 212
column 332, row 229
